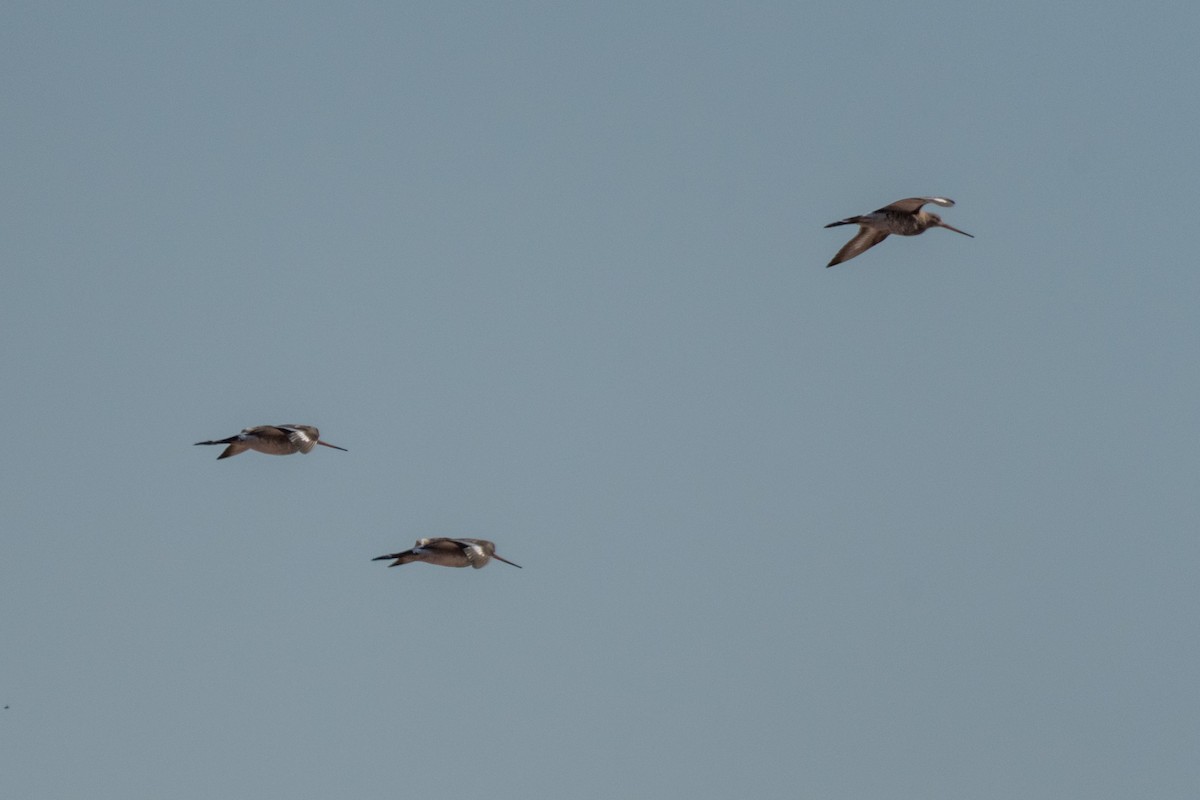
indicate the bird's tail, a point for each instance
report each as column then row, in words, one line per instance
column 407, row 557
column 847, row 221
column 235, row 446
column 230, row 440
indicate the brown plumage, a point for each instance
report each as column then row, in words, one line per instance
column 274, row 440
column 903, row 218
column 447, row 552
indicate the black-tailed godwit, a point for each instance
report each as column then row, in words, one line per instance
column 447, row 552
column 903, row 218
column 274, row 440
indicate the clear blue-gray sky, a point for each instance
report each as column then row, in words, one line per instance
column 920, row 526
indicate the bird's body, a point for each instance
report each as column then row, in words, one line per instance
column 274, row 440
column 903, row 218
column 447, row 552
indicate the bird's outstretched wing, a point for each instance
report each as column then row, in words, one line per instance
column 911, row 205
column 401, row 558
column 865, row 240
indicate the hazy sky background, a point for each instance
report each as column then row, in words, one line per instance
column 920, row 526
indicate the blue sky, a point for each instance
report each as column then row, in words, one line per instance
column 919, row 526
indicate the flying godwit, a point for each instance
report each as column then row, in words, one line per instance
column 446, row 552
column 274, row 440
column 903, row 218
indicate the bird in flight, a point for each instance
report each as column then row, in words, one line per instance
column 903, row 218
column 447, row 552
column 274, row 440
